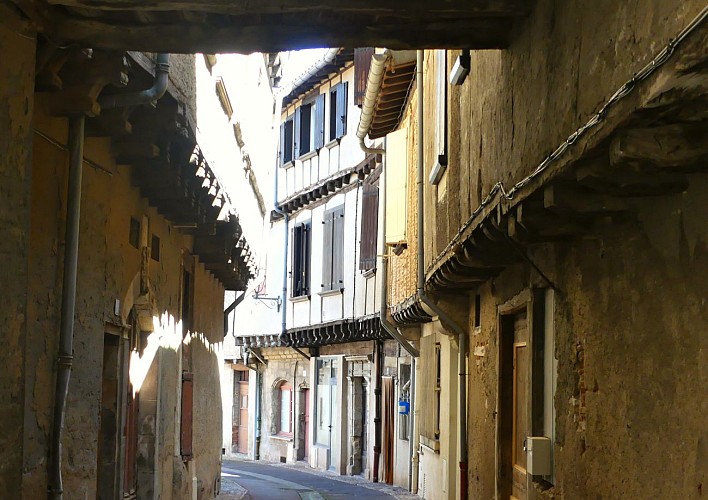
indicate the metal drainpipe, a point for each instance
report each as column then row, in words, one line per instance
column 162, row 73
column 444, row 317
column 412, row 447
column 68, row 300
column 257, row 433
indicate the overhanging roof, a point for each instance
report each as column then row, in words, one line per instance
column 387, row 88
column 320, row 71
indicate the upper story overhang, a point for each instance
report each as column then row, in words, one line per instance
column 214, row 26
column 157, row 141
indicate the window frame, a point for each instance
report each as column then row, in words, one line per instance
column 287, row 141
column 337, row 118
column 300, row 263
column 282, row 388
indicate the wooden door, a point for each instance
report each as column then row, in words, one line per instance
column 514, row 399
column 243, row 418
column 521, row 402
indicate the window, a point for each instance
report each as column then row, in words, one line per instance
column 286, row 140
column 369, row 225
column 300, row 274
column 285, row 397
column 333, row 250
column 338, row 111
column 309, row 126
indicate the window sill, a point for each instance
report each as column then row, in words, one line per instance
column 331, row 293
column 307, row 156
column 287, row 165
column 282, row 437
column 299, row 298
column 332, row 143
column 369, row 273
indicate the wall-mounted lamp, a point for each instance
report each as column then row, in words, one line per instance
column 460, row 69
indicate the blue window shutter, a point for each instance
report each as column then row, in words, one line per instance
column 319, row 121
column 342, row 109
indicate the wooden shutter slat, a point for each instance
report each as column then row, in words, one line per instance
column 338, row 249
column 327, row 251
column 341, row 109
column 305, row 257
column 281, row 152
column 369, row 227
column 362, row 64
column 319, row 121
column 296, row 134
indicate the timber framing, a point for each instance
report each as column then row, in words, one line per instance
column 649, row 144
column 215, row 26
column 325, row 189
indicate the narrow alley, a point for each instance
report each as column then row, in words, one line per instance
column 387, row 249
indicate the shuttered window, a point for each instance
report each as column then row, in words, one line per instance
column 430, row 391
column 300, row 274
column 362, row 64
column 369, row 226
column 333, row 249
column 309, row 126
column 185, row 441
column 286, row 140
column 338, row 111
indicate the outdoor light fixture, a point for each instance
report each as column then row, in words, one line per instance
column 460, row 69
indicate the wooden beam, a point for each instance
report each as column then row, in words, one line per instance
column 264, row 34
column 262, row 7
column 680, row 146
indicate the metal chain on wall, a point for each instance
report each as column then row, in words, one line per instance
column 659, row 60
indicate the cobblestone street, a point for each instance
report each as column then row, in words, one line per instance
column 261, row 480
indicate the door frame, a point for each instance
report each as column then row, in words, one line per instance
column 523, row 301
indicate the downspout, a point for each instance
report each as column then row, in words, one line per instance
column 159, row 86
column 68, row 301
column 373, row 86
column 444, row 317
column 378, row 351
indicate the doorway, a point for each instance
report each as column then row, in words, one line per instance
column 306, row 423
column 514, row 404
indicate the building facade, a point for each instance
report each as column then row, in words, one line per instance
column 556, row 204
column 119, row 187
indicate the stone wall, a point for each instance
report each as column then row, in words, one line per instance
column 16, row 103
column 518, row 104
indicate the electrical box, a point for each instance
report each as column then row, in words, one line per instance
column 404, row 407
column 538, row 456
